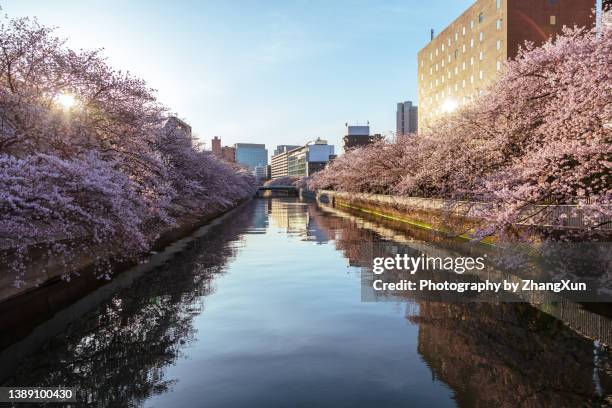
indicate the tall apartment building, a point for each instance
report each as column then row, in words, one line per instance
column 406, row 119
column 458, row 64
column 251, row 155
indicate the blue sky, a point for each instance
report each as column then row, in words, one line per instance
column 273, row 72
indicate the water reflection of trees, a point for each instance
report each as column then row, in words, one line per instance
column 116, row 354
column 507, row 354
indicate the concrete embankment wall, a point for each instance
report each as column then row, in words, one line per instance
column 452, row 217
column 458, row 217
column 44, row 270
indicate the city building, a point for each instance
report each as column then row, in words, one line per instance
column 284, row 148
column 279, row 160
column 301, row 160
column 406, row 119
column 215, row 145
column 356, row 136
column 228, row 154
column 251, row 155
column 174, row 124
column 459, row 63
column 260, row 172
column 307, row 160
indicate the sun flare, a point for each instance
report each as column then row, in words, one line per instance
column 67, row 101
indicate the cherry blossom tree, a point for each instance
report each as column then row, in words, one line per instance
column 86, row 163
column 540, row 135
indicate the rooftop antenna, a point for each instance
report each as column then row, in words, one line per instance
column 432, row 34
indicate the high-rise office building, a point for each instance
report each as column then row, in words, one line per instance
column 406, row 119
column 459, row 63
column 251, row 155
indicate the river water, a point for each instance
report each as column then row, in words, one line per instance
column 266, row 311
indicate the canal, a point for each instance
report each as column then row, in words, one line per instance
column 266, row 310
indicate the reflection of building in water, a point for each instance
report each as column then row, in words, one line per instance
column 260, row 218
column 509, row 355
column 298, row 218
column 288, row 215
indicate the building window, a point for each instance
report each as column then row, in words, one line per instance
column 498, row 23
column 430, row 56
column 463, row 83
column 498, row 3
column 481, row 75
column 463, row 31
column 471, row 24
column 471, row 79
column 481, row 36
column 456, row 53
column 456, row 87
column 430, row 70
column 464, row 65
column 442, row 63
column 481, row 56
column 436, row 67
column 421, row 63
column 436, row 52
column 471, row 42
column 471, row 60
column 456, row 70
column 480, row 17
column 456, row 36
column 498, row 45
column 498, row 65
column 449, row 58
column 553, row 20
column 442, row 46
column 449, row 42
column 463, row 48
column 421, row 77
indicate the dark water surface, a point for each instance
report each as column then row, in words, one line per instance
column 266, row 311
